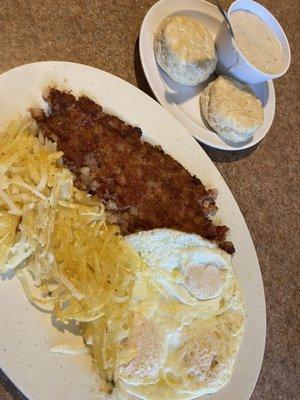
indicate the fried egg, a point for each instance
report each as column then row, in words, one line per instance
column 194, row 360
column 188, row 319
column 203, row 362
column 190, row 270
column 194, row 268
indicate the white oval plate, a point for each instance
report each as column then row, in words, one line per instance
column 183, row 101
column 26, row 333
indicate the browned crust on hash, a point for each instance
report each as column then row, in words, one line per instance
column 143, row 188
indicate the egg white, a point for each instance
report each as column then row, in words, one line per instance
column 176, row 260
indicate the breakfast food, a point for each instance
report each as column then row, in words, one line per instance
column 185, row 50
column 231, row 109
column 142, row 187
column 199, row 360
column 160, row 310
column 188, row 267
column 194, row 339
column 56, row 233
column 257, row 41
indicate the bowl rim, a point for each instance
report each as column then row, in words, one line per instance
column 284, row 42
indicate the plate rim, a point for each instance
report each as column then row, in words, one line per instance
column 200, row 153
column 194, row 129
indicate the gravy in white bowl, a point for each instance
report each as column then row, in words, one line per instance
column 257, row 42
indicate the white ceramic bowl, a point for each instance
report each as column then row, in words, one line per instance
column 232, row 62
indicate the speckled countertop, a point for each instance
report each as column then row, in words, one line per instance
column 264, row 180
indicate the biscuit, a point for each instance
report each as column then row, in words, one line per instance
column 185, row 50
column 231, row 109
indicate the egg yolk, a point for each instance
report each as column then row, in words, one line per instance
column 204, row 281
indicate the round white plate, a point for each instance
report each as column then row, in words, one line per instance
column 183, row 101
column 26, row 333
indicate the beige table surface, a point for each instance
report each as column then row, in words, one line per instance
column 263, row 180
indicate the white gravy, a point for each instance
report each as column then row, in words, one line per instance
column 257, row 41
